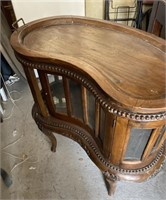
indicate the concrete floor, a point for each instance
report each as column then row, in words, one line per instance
column 68, row 174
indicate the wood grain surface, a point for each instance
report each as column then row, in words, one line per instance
column 129, row 65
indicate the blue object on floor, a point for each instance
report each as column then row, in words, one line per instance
column 6, row 178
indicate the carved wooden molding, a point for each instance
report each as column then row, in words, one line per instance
column 110, row 106
column 110, row 176
column 156, row 171
column 87, row 142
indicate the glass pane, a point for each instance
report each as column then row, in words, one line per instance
column 159, row 138
column 102, row 124
column 57, row 89
column 39, row 84
column 137, row 143
column 76, row 99
column 91, row 109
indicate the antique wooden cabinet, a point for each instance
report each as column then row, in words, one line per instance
column 102, row 85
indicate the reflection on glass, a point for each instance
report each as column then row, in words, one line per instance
column 76, row 99
column 91, row 109
column 102, row 124
column 137, row 143
column 57, row 90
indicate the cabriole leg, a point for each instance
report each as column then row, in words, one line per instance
column 52, row 138
column 111, row 181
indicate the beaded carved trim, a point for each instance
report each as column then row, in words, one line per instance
column 156, row 171
column 91, row 143
column 110, row 176
column 111, row 107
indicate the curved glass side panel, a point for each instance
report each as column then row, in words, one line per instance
column 163, row 130
column 102, row 124
column 137, row 143
column 76, row 99
column 57, row 90
column 91, row 109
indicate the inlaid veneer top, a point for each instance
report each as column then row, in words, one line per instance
column 129, row 65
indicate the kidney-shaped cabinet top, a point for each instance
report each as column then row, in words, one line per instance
column 126, row 63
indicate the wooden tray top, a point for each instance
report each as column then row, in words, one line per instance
column 128, row 64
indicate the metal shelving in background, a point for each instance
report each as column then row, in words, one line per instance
column 128, row 12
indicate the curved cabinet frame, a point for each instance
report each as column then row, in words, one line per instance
column 104, row 154
column 123, row 134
